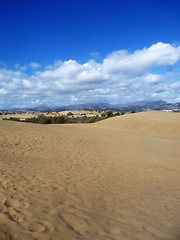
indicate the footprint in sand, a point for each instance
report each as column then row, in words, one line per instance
column 12, row 203
column 16, row 204
column 75, row 223
column 113, row 230
column 14, row 215
column 41, row 226
column 36, row 227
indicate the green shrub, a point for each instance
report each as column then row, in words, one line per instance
column 69, row 114
column 14, row 119
column 61, row 120
column 110, row 114
column 84, row 119
column 94, row 119
column 45, row 120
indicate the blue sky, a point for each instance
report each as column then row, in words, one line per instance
column 63, row 52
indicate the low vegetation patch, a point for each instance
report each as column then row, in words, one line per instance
column 66, row 119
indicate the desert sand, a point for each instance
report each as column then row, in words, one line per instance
column 118, row 179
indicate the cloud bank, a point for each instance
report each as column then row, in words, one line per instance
column 148, row 74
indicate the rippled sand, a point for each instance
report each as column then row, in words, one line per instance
column 118, row 179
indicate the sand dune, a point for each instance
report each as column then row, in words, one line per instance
column 151, row 123
column 111, row 180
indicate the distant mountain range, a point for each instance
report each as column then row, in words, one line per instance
column 137, row 106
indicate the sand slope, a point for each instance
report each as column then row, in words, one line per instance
column 152, row 123
column 115, row 179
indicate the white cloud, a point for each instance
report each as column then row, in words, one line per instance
column 19, row 67
column 3, row 91
column 94, row 54
column 153, row 78
column 26, row 83
column 74, row 99
column 121, row 77
column 56, row 64
column 158, row 55
column 34, row 65
column 175, row 85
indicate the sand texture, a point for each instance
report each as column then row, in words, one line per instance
column 118, row 179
